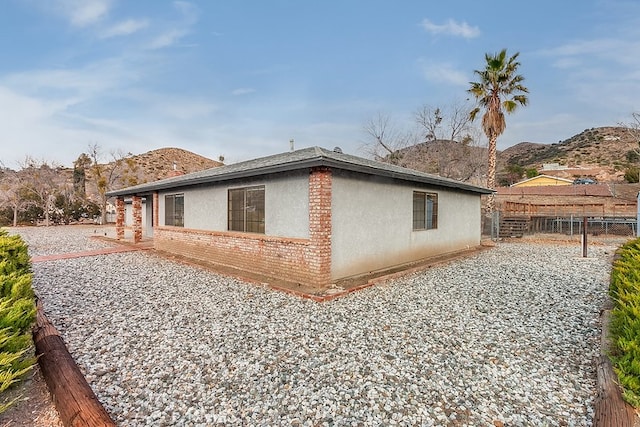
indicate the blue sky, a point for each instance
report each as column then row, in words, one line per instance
column 241, row 78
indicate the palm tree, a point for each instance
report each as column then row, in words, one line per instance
column 498, row 88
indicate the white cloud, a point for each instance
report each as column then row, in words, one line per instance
column 92, row 79
column 125, row 28
column 610, row 50
column 242, row 91
column 171, row 35
column 565, row 63
column 189, row 11
column 444, row 73
column 82, row 13
column 31, row 125
column 167, row 38
column 452, row 28
column 597, row 70
column 584, row 47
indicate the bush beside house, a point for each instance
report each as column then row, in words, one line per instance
column 17, row 313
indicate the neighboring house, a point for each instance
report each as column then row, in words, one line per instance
column 542, row 180
column 310, row 216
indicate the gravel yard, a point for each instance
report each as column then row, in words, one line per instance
column 509, row 335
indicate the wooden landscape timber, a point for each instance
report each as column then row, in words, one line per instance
column 72, row 396
column 610, row 410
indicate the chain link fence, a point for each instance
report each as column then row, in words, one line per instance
column 502, row 225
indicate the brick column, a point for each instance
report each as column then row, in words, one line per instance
column 156, row 209
column 120, row 218
column 137, row 218
column 320, row 225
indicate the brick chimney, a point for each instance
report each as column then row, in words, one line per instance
column 175, row 171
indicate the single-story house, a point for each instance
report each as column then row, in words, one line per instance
column 311, row 216
column 541, row 180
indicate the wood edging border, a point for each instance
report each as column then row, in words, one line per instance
column 610, row 409
column 72, row 396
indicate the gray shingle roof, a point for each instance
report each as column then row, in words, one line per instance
column 295, row 160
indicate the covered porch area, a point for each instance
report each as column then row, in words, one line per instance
column 136, row 217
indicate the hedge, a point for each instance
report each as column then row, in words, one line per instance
column 17, row 313
column 625, row 320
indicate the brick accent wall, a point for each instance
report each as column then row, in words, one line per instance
column 156, row 209
column 120, row 218
column 271, row 256
column 306, row 261
column 136, row 204
column 320, row 223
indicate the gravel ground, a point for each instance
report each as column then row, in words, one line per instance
column 61, row 240
column 509, row 335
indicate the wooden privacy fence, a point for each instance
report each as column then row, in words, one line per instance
column 569, row 209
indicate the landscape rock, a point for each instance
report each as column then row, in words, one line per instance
column 504, row 337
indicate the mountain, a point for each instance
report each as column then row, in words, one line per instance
column 611, row 149
column 147, row 167
column 450, row 159
column 603, row 153
column 161, row 163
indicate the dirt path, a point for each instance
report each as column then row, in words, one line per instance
column 34, row 407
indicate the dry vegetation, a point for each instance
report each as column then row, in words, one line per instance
column 157, row 164
column 607, row 148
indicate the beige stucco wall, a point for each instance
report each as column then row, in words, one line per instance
column 286, row 205
column 128, row 214
column 372, row 223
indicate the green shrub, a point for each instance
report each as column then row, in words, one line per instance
column 14, row 256
column 625, row 320
column 632, row 174
column 17, row 313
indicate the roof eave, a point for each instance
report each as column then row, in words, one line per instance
column 292, row 166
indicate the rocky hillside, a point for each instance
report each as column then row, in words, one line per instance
column 158, row 164
column 151, row 166
column 449, row 159
column 604, row 153
column 608, row 148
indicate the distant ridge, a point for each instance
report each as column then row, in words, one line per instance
column 150, row 166
column 605, row 147
column 157, row 164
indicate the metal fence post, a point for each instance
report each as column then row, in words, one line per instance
column 571, row 227
column 584, row 238
column 495, row 225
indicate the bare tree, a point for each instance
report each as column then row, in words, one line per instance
column 632, row 128
column 452, row 142
column 12, row 193
column 443, row 142
column 385, row 141
column 430, row 122
column 450, row 123
column 40, row 180
column 105, row 175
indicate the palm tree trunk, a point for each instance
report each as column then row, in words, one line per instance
column 491, row 174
